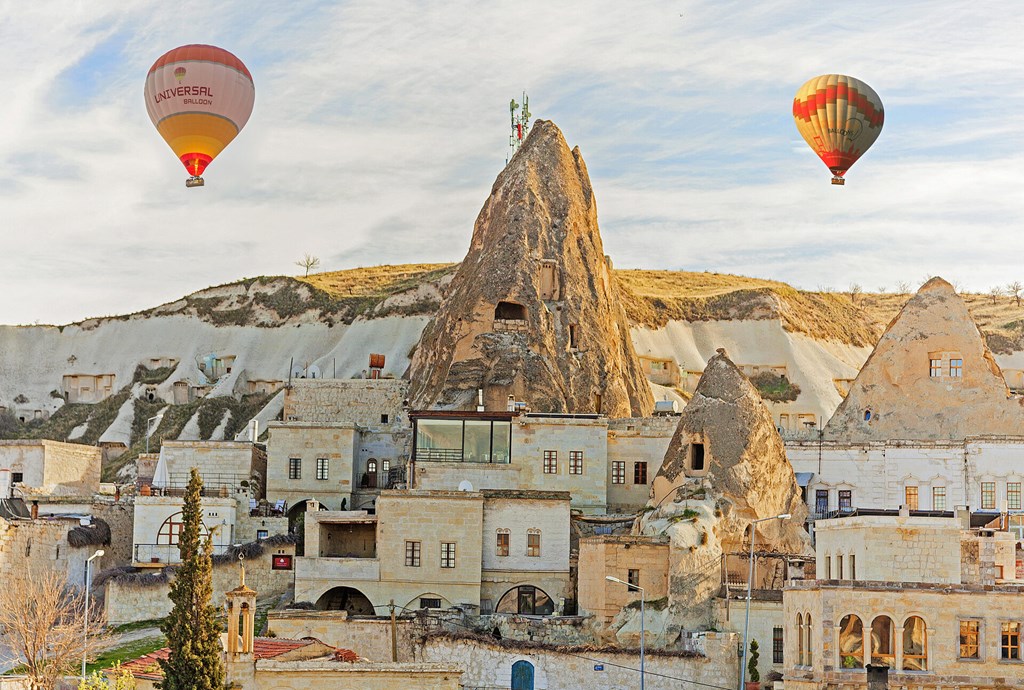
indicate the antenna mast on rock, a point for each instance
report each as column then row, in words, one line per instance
column 520, row 125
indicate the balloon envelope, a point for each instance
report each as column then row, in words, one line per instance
column 199, row 97
column 839, row 117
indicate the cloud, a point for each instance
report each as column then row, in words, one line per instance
column 379, row 128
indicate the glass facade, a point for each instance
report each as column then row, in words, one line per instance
column 463, row 440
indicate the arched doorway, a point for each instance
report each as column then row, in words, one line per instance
column 522, row 675
column 345, row 599
column 527, row 600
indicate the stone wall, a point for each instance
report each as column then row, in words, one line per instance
column 53, row 467
column 210, row 457
column 219, row 517
column 351, row 401
column 302, row 675
column 40, row 546
column 126, row 600
column 368, row 637
column 247, row 527
column 765, row 616
column 489, row 664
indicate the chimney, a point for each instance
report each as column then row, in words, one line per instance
column 479, row 399
column 511, row 407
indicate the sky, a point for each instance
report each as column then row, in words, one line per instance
column 380, row 125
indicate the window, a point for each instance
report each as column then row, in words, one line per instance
column 853, row 567
column 17, row 477
column 262, row 534
column 573, row 340
column 384, row 419
column 828, row 567
column 697, row 457
column 883, row 642
column 533, row 542
column 910, row 493
column 575, row 462
column 447, row 554
column 851, row 642
column 633, row 577
column 938, row 498
column 845, row 499
column 1013, row 495
column 801, row 657
column 639, row 472
column 1009, row 643
column 956, row 368
column 385, row 466
column 988, row 495
column 430, row 603
column 412, row 554
column 295, row 468
column 915, row 645
column 618, row 472
column 969, row 635
column 839, row 567
column 777, row 644
column 321, row 468
column 821, row 501
column 551, row 462
column 935, row 368
column 810, row 639
column 502, row 546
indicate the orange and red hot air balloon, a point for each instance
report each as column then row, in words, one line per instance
column 199, row 97
column 839, row 117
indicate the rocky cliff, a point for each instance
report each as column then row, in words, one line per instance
column 533, row 311
column 931, row 376
column 725, row 467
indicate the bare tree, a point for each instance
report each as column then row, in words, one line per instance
column 882, row 289
column 903, row 287
column 995, row 292
column 855, row 290
column 308, row 261
column 43, row 621
column 1014, row 289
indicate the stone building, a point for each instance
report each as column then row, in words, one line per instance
column 40, row 468
column 605, row 464
column 49, row 543
column 933, row 598
column 158, row 522
column 496, row 550
column 929, row 422
column 640, row 561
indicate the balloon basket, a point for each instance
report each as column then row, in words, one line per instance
column 838, row 180
column 197, row 181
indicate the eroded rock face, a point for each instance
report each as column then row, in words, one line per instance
column 930, row 377
column 534, row 310
column 725, row 467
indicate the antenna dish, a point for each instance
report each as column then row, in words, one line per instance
column 464, row 485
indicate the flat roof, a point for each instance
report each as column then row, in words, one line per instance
column 527, row 493
column 492, row 415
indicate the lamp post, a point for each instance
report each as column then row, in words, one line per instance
column 85, row 628
column 750, row 582
column 642, row 597
column 150, row 429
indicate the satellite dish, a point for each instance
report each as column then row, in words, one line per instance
column 464, row 485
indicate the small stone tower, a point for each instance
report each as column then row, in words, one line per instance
column 241, row 608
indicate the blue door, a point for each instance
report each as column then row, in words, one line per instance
column 522, row 675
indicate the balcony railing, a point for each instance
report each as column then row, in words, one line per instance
column 166, row 553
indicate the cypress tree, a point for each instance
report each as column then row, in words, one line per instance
column 193, row 633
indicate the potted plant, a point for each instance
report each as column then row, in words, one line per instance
column 754, row 677
column 849, row 661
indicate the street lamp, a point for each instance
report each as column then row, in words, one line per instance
column 150, row 429
column 642, row 597
column 85, row 629
column 750, row 582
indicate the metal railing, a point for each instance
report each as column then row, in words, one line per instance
column 166, row 553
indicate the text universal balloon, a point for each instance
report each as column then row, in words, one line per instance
column 199, row 97
column 839, row 117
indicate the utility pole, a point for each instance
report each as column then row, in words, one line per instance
column 394, row 633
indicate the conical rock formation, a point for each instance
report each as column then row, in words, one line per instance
column 533, row 311
column 725, row 467
column 930, row 377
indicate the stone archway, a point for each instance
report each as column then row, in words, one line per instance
column 345, row 599
column 526, row 600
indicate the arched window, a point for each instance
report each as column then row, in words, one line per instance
column 810, row 640
column 883, row 642
column 851, row 642
column 171, row 528
column 800, row 639
column 526, row 600
column 915, row 645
